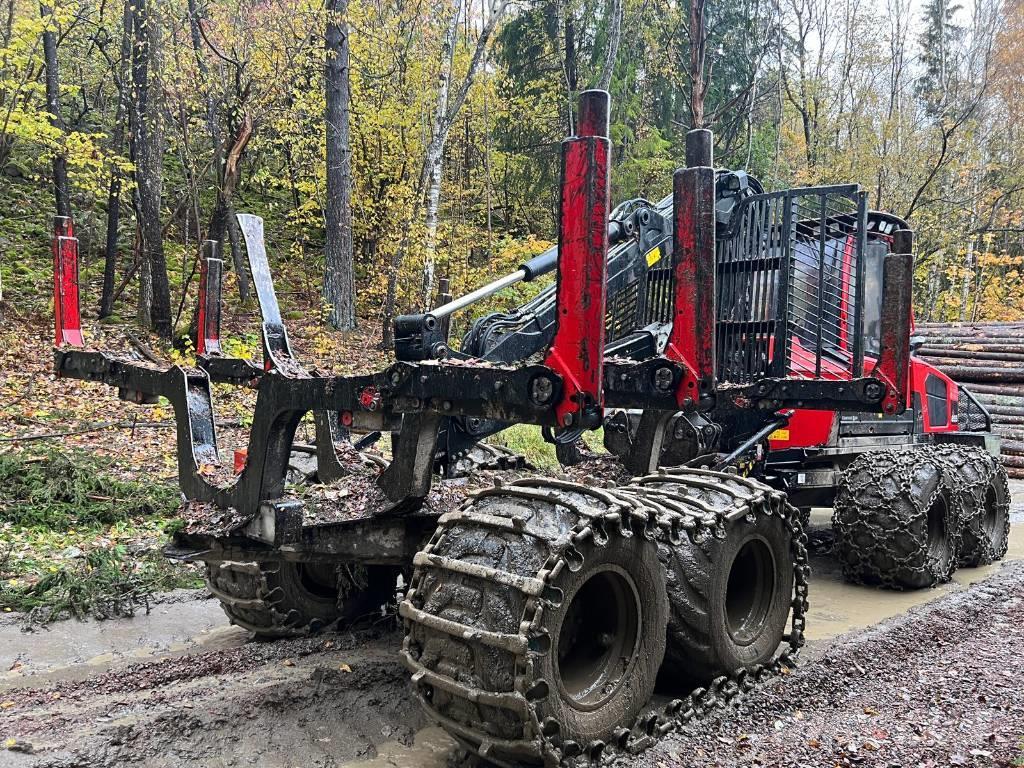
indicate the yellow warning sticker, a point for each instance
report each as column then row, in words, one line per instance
column 779, row 434
column 654, row 256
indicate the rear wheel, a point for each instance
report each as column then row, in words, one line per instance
column 279, row 599
column 729, row 594
column 536, row 622
column 897, row 520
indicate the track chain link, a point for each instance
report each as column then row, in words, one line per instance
column 971, row 469
column 652, row 507
column 250, row 602
column 487, row 457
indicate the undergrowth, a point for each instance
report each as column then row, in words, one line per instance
column 59, row 489
column 76, row 541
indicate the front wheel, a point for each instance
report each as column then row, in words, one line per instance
column 897, row 520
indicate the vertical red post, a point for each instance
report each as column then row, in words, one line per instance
column 211, row 269
column 577, row 350
column 692, row 341
column 67, row 316
column 893, row 366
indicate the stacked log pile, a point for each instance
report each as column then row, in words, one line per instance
column 989, row 359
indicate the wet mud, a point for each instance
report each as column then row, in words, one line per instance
column 930, row 678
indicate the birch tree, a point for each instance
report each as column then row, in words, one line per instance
column 448, row 104
column 447, row 109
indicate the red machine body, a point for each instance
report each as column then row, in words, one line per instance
column 815, row 429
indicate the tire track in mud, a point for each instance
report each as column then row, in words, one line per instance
column 311, row 702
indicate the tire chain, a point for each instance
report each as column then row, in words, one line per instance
column 638, row 508
column 890, row 475
column 273, row 617
column 259, row 599
column 969, row 469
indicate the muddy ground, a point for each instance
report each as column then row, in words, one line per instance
column 930, row 678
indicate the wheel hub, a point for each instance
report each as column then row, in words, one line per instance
column 748, row 595
column 937, row 514
column 598, row 638
column 993, row 514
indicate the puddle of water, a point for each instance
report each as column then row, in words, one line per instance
column 837, row 607
column 431, row 748
column 90, row 645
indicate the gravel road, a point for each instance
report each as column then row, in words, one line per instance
column 940, row 686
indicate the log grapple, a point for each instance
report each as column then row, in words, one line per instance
column 539, row 611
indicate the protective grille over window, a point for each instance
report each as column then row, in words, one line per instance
column 660, row 285
column 971, row 417
column 789, row 276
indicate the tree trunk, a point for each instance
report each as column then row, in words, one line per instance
column 117, row 144
column 433, row 164
column 226, row 166
column 60, row 163
column 223, row 222
column 431, row 172
column 154, row 290
column 698, row 49
column 612, row 52
column 339, row 284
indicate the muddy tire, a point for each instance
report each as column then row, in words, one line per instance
column 285, row 599
column 897, row 520
column 536, row 622
column 730, row 593
column 980, row 481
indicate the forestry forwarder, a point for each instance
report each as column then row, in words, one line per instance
column 540, row 611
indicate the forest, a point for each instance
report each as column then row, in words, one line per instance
column 390, row 143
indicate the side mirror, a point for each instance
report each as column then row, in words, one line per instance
column 916, row 342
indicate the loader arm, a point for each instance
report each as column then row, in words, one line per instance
column 575, row 387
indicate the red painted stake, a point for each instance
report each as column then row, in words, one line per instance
column 692, row 341
column 893, row 366
column 577, row 350
column 67, row 316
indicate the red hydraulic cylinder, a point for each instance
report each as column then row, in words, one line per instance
column 67, row 316
column 692, row 340
column 577, row 350
column 210, row 274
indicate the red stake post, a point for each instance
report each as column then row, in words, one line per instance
column 893, row 366
column 577, row 350
column 692, row 341
column 67, row 316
